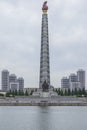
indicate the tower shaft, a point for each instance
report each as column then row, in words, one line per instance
column 44, row 56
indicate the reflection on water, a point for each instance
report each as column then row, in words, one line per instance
column 43, row 118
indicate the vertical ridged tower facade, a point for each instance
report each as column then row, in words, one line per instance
column 44, row 56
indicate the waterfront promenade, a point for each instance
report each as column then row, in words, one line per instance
column 38, row 101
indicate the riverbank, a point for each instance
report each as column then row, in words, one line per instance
column 38, row 101
column 43, row 104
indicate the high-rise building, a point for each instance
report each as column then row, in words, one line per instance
column 14, row 86
column 5, row 80
column 73, row 78
column 75, row 85
column 65, row 83
column 81, row 77
column 10, row 82
column 44, row 56
column 12, row 78
column 13, row 82
column 21, row 83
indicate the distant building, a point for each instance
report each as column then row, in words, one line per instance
column 75, row 81
column 21, row 83
column 81, row 77
column 5, row 80
column 64, row 82
column 75, row 85
column 10, row 82
column 14, row 86
column 12, row 78
column 73, row 78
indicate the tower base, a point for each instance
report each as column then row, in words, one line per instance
column 42, row 94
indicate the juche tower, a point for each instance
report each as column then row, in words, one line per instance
column 44, row 55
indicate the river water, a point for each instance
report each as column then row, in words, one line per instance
column 43, row 118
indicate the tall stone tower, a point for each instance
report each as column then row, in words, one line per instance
column 44, row 56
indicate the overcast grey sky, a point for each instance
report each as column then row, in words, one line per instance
column 20, row 36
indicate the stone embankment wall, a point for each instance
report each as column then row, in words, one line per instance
column 37, row 101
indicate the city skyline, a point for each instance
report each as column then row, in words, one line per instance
column 74, row 81
column 20, row 38
column 11, row 82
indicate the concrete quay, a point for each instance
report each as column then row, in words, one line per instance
column 38, row 101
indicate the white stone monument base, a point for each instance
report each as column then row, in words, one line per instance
column 40, row 93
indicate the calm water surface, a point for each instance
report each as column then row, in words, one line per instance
column 43, row 118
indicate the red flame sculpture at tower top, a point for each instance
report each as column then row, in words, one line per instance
column 45, row 7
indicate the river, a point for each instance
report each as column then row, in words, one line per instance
column 43, row 118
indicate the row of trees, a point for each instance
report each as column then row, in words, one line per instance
column 1, row 95
column 61, row 92
column 18, row 93
column 71, row 93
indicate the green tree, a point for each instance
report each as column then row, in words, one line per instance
column 61, row 92
column 53, row 89
column 26, row 93
column 56, row 90
column 22, row 93
column 69, row 93
column 15, row 92
column 79, row 92
column 75, row 92
column 31, row 92
column 7, row 94
column 10, row 91
column 65, row 93
column 36, row 90
column 72, row 93
column 83, row 91
column 19, row 93
column 1, row 94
